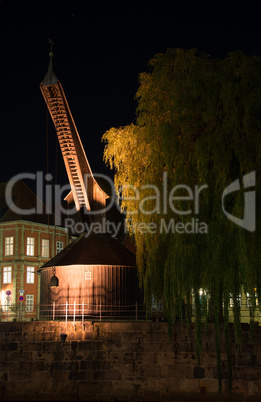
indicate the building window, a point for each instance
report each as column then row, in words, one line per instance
column 7, row 275
column 157, row 305
column 238, row 299
column 45, row 248
column 29, row 302
column 59, row 246
column 9, row 245
column 30, row 246
column 30, row 275
column 88, row 275
column 252, row 300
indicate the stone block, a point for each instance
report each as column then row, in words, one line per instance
column 18, row 356
column 107, row 336
column 7, row 337
column 100, row 345
column 240, row 386
column 86, row 365
column 237, row 373
column 138, row 326
column 176, row 371
column 74, row 346
column 190, row 372
column 133, row 370
column 104, row 326
column 209, row 359
column 122, row 327
column 123, row 388
column 91, row 388
column 159, row 384
column 145, row 358
column 200, row 387
column 152, row 347
column 166, row 347
column 254, row 388
column 62, row 365
column 9, row 365
column 88, row 336
column 121, row 337
column 107, row 375
column 139, row 357
column 159, row 337
column 33, row 346
column 87, row 345
column 140, row 384
column 185, row 358
column 21, row 375
column 31, row 366
column 151, row 370
column 164, row 357
column 199, row 372
column 151, row 396
column 100, row 365
column 128, row 357
column 133, row 337
column 4, row 376
column 17, row 336
column 244, row 359
column 100, row 355
column 250, row 373
column 115, row 357
column 9, row 346
column 158, row 327
column 117, row 347
column 59, row 354
column 77, row 375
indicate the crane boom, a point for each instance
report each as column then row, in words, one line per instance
column 85, row 189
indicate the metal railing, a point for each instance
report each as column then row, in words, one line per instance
column 73, row 312
column 98, row 312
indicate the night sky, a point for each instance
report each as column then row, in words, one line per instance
column 100, row 50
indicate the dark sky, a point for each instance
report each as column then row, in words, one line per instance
column 100, row 50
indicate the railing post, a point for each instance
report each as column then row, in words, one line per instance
column 136, row 311
column 82, row 312
column 53, row 310
column 66, row 313
column 74, row 307
column 100, row 311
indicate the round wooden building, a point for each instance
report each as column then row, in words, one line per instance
column 95, row 274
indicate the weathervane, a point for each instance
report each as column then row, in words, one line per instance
column 51, row 43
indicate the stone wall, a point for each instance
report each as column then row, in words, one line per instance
column 134, row 361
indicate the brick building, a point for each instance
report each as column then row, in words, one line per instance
column 26, row 243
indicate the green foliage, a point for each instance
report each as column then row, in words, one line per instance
column 199, row 121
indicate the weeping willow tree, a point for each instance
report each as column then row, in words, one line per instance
column 197, row 130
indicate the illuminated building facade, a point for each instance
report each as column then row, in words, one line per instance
column 26, row 243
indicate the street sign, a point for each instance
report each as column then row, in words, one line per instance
column 8, row 292
column 21, row 291
column 21, row 298
column 8, row 298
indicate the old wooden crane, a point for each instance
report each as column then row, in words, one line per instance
column 85, row 191
column 96, row 269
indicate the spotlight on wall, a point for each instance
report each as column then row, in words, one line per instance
column 63, row 337
column 54, row 281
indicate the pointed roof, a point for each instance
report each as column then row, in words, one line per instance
column 95, row 249
column 50, row 78
column 22, row 199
